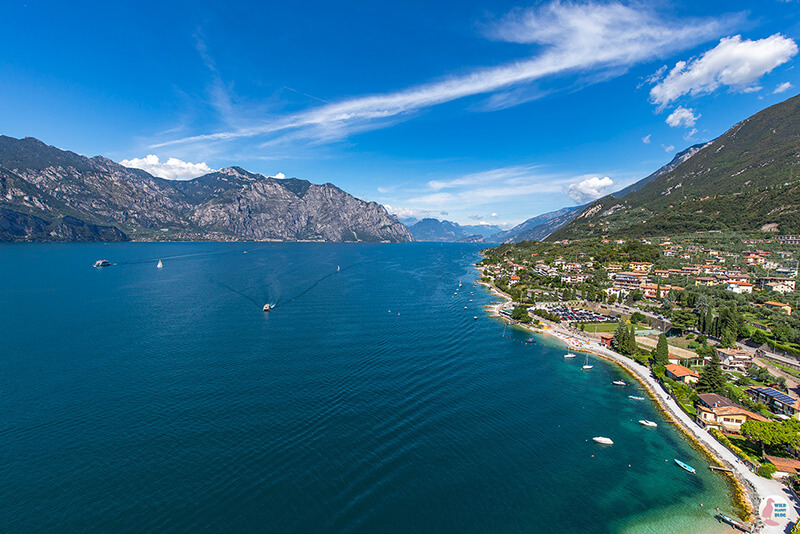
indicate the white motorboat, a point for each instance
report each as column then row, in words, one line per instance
column 267, row 307
column 619, row 383
column 569, row 355
column 645, row 422
column 101, row 263
column 602, row 440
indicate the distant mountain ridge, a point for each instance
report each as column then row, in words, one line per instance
column 435, row 230
column 748, row 179
column 49, row 194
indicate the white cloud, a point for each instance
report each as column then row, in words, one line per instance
column 571, row 38
column 494, row 215
column 407, row 213
column 668, row 148
column 690, row 134
column 280, row 176
column 682, row 117
column 172, row 169
column 646, row 139
column 734, row 62
column 785, row 86
column 589, row 189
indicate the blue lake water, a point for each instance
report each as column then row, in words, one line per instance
column 369, row 400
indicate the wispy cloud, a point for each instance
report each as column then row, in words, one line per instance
column 785, row 86
column 646, row 139
column 570, row 38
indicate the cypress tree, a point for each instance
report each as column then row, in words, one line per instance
column 662, row 351
column 616, row 341
column 711, row 378
column 632, row 345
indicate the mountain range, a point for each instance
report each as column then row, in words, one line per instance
column 436, row 230
column 49, row 194
column 748, row 180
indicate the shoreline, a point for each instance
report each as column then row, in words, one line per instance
column 747, row 490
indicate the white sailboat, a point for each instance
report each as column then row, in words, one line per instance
column 160, row 265
column 586, row 365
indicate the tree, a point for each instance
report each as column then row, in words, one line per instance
column 616, row 341
column 759, row 336
column 637, row 317
column 683, row 320
column 771, row 433
column 662, row 351
column 711, row 378
column 520, row 313
column 632, row 346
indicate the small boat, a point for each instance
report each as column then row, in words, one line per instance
column 619, row 383
column 586, row 365
column 602, row 440
column 684, row 466
column 530, row 340
column 160, row 265
column 338, row 268
column 645, row 422
column 465, row 307
column 101, row 263
column 475, row 318
column 569, row 355
column 635, row 397
column 267, row 307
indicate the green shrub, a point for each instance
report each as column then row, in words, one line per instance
column 766, row 470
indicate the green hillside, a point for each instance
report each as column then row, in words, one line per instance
column 747, row 179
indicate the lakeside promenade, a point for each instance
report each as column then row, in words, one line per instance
column 758, row 489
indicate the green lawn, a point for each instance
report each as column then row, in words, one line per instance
column 606, row 327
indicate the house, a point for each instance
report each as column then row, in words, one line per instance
column 784, row 466
column 679, row 373
column 765, row 281
column 513, row 279
column 740, row 288
column 641, row 266
column 777, row 402
column 716, row 411
column 704, row 281
column 574, row 278
column 735, row 359
column 772, row 305
column 650, row 290
column 605, row 338
column 778, row 288
column 629, row 281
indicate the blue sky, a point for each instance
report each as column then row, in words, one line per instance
column 473, row 111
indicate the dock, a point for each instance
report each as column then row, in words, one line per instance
column 715, row 468
column 735, row 523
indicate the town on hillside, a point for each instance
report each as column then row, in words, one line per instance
column 710, row 313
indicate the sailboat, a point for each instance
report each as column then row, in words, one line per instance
column 338, row 268
column 586, row 365
column 160, row 265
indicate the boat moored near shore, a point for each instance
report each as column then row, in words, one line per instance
column 602, row 440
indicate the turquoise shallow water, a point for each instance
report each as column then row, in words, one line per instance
column 369, row 400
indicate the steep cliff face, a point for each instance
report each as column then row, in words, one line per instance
column 47, row 191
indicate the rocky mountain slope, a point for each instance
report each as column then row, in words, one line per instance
column 450, row 232
column 748, row 179
column 50, row 194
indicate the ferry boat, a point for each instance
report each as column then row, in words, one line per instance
column 602, row 440
column 645, row 422
column 267, row 307
column 101, row 263
column 685, row 466
column 619, row 383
